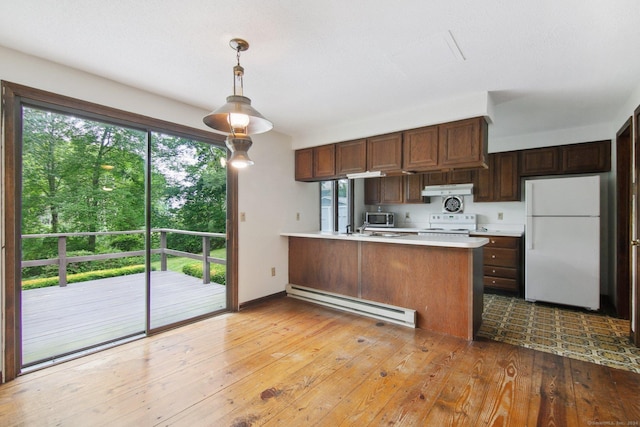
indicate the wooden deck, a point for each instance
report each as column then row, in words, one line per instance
column 289, row 363
column 58, row 320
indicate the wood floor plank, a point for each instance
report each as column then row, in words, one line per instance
column 409, row 405
column 286, row 362
column 460, row 401
column 628, row 391
column 364, row 403
column 596, row 394
column 313, row 406
column 256, row 397
column 510, row 388
column 555, row 402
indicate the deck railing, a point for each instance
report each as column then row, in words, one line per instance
column 62, row 261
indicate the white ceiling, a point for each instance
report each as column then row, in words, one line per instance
column 547, row 64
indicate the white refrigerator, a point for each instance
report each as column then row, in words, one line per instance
column 562, row 240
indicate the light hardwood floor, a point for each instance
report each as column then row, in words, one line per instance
column 289, row 363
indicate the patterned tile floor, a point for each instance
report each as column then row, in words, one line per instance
column 571, row 333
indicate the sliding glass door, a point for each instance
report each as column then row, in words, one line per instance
column 188, row 229
column 123, row 232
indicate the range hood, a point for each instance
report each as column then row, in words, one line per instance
column 448, row 190
column 373, row 174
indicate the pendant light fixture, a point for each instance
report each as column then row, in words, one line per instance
column 237, row 118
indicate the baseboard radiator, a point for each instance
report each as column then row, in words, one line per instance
column 376, row 310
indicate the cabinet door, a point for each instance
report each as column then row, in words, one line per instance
column 590, row 157
column 413, row 185
column 540, row 161
column 391, row 190
column 463, row 144
column 372, row 191
column 483, row 184
column 436, row 178
column 506, row 181
column 324, row 161
column 384, row 153
column 351, row 157
column 304, row 164
column 460, row 176
column 420, row 149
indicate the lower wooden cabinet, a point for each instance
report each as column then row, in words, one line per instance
column 503, row 264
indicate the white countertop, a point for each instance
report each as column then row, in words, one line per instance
column 506, row 233
column 450, row 241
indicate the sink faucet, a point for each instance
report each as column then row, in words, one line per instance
column 364, row 226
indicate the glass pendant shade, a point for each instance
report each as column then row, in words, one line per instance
column 237, row 110
column 239, row 145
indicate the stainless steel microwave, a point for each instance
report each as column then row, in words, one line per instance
column 380, row 219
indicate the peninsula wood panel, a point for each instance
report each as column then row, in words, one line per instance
column 436, row 282
column 331, row 265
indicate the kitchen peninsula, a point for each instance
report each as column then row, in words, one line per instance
column 440, row 277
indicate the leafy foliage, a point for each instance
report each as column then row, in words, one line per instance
column 82, row 277
column 218, row 272
column 81, row 175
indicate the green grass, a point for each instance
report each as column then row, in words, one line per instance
column 177, row 263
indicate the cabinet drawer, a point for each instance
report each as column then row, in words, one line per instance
column 502, row 242
column 506, row 272
column 501, row 283
column 501, row 257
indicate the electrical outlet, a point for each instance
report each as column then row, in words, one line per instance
column 407, row 215
column 297, row 216
column 243, row 217
column 500, row 215
column 273, row 271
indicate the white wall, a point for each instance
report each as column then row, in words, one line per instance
column 271, row 200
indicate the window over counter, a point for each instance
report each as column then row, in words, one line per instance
column 336, row 205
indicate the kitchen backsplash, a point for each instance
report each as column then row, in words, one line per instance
column 505, row 216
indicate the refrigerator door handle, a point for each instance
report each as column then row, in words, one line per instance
column 528, row 235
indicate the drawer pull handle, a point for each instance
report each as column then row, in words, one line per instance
column 493, row 256
column 493, row 271
column 493, row 241
column 493, row 281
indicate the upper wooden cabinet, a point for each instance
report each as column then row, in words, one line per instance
column 500, row 182
column 463, row 144
column 587, row 157
column 394, row 190
column 384, row 153
column 351, row 157
column 316, row 163
column 304, row 164
column 413, row 185
column 420, row 149
column 463, row 176
column 539, row 161
column 455, row 145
